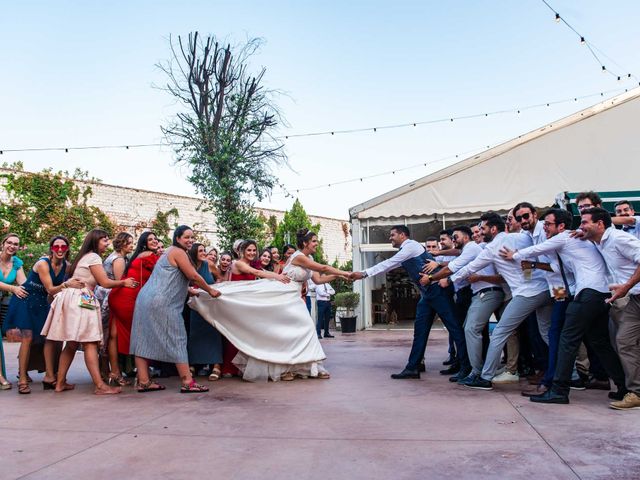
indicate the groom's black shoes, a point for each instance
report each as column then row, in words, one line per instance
column 406, row 374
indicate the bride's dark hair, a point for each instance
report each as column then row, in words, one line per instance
column 303, row 236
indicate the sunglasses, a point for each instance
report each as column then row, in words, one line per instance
column 60, row 248
column 585, row 206
column 524, row 216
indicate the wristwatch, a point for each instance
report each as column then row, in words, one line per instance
column 364, row 274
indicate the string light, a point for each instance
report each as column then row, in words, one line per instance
column 448, row 119
column 589, row 45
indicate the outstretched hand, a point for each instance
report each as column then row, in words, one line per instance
column 430, row 266
column 617, row 291
column 506, row 253
column 356, row 276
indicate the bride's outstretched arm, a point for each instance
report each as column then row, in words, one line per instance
column 306, row 262
column 319, row 278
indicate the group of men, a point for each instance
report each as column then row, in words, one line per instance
column 580, row 288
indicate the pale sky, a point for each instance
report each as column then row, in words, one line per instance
column 82, row 73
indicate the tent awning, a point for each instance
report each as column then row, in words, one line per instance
column 594, row 149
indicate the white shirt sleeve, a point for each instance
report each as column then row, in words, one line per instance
column 550, row 245
column 466, row 256
column 628, row 246
column 409, row 250
column 481, row 261
column 329, row 289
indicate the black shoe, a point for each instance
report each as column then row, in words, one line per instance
column 422, row 367
column 453, row 369
column 405, row 374
column 463, row 373
column 550, row 397
column 468, row 379
column 450, row 361
column 618, row 395
column 319, row 337
column 328, row 335
column 595, row 384
column 577, row 385
column 479, row 383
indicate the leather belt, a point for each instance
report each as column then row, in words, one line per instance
column 488, row 289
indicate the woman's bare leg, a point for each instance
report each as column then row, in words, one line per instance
column 66, row 357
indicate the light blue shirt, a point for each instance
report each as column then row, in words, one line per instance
column 510, row 271
column 581, row 261
column 621, row 252
column 469, row 253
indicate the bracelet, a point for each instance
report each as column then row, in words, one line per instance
column 64, row 285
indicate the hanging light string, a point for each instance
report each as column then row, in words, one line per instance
column 289, row 191
column 592, row 48
column 449, row 119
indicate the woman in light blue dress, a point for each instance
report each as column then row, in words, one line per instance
column 158, row 331
column 11, row 279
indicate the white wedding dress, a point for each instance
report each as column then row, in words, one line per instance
column 268, row 323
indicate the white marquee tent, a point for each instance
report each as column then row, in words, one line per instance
column 594, row 149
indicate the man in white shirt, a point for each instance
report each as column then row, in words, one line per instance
column 621, row 252
column 586, row 317
column 323, row 300
column 626, row 216
column 412, row 256
column 486, row 297
column 529, row 292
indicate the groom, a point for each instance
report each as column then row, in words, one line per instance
column 433, row 299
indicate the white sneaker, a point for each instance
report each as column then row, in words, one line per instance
column 506, row 377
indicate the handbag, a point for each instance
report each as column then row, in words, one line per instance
column 87, row 300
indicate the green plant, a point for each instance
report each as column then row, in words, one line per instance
column 42, row 205
column 340, row 284
column 348, row 300
column 293, row 220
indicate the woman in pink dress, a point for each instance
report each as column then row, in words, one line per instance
column 75, row 313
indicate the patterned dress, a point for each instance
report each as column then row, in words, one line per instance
column 158, row 331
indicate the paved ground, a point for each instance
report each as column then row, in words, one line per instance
column 358, row 425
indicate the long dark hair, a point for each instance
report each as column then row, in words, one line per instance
column 90, row 244
column 65, row 240
column 177, row 233
column 303, row 236
column 285, row 248
column 141, row 246
column 269, row 267
column 193, row 253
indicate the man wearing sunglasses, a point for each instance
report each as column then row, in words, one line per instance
column 584, row 273
column 529, row 294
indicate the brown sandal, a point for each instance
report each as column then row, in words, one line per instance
column 24, row 389
column 287, row 377
column 118, row 380
column 150, row 386
column 193, row 387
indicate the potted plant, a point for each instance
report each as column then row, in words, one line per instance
column 347, row 301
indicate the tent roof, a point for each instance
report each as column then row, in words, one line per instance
column 594, row 149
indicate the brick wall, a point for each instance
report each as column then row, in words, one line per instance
column 129, row 207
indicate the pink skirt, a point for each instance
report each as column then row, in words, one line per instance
column 69, row 322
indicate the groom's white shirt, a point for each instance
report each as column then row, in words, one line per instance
column 408, row 249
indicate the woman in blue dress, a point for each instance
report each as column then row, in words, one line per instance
column 11, row 273
column 205, row 343
column 28, row 314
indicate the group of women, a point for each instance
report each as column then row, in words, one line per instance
column 131, row 306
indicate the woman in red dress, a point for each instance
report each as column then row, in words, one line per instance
column 244, row 269
column 123, row 300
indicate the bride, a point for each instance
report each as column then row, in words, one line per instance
column 268, row 321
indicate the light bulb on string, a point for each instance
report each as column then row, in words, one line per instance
column 557, row 17
column 582, row 41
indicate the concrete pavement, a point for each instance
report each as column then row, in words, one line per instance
column 358, row 425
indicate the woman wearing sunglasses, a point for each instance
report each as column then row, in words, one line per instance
column 74, row 316
column 28, row 313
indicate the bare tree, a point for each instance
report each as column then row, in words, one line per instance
column 226, row 132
